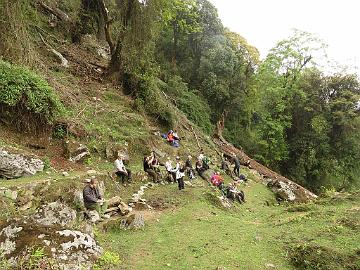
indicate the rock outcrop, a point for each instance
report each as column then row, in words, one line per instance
column 76, row 152
column 14, row 165
column 54, row 213
column 70, row 249
column 49, row 229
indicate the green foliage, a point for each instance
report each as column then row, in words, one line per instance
column 24, row 92
column 193, row 105
column 47, row 163
column 151, row 100
column 304, row 256
column 16, row 43
column 35, row 257
column 107, row 260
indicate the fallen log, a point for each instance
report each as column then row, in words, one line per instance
column 55, row 11
column 284, row 188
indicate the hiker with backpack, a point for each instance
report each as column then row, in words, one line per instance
column 217, row 181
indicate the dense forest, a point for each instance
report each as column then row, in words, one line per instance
column 287, row 111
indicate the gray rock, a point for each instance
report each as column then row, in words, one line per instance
column 75, row 151
column 54, row 213
column 79, row 199
column 8, row 193
column 124, row 209
column 18, row 165
column 69, row 248
column 93, row 216
column 134, row 221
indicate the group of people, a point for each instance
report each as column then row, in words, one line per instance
column 93, row 200
column 230, row 191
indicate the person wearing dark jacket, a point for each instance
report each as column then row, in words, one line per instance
column 93, row 199
column 237, row 165
column 151, row 166
column 189, row 168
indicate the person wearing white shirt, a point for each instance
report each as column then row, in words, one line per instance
column 120, row 169
column 179, row 170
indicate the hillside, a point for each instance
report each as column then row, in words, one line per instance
column 70, row 103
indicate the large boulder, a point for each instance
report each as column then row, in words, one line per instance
column 289, row 191
column 75, row 151
column 14, row 165
column 8, row 193
column 70, row 249
column 54, row 213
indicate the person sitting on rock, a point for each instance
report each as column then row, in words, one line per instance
column 93, row 199
column 225, row 166
column 234, row 194
column 121, row 171
column 204, row 159
column 217, row 180
column 199, row 167
column 170, row 136
column 151, row 166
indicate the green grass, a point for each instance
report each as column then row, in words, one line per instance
column 193, row 233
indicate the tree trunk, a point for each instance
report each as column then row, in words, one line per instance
column 284, row 188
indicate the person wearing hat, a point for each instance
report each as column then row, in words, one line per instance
column 179, row 172
column 120, row 169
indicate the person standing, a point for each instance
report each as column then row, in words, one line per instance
column 236, row 165
column 93, row 199
column 179, row 170
column 120, row 169
column 169, row 167
column 189, row 167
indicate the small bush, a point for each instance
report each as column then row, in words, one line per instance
column 191, row 104
column 26, row 100
column 106, row 260
column 304, row 256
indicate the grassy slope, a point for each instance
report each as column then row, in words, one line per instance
column 196, row 234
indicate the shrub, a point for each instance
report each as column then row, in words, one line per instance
column 26, row 100
column 193, row 105
column 152, row 101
